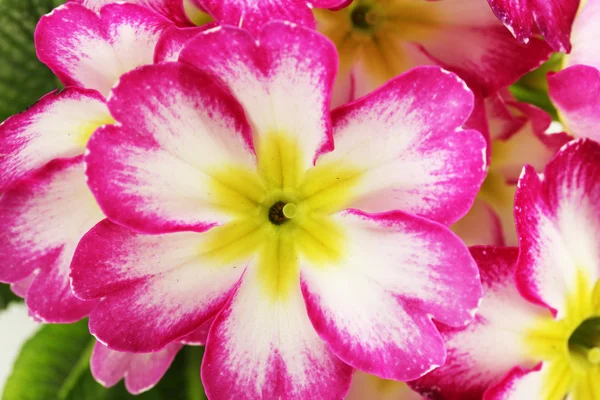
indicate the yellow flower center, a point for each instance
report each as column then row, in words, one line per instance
column 281, row 214
column 570, row 346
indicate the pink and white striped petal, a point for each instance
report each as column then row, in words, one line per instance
column 92, row 50
column 176, row 126
column 171, row 9
column 376, row 315
column 574, row 91
column 57, row 126
column 43, row 218
column 412, row 124
column 286, row 60
column 482, row 353
column 558, row 220
column 252, row 15
column 260, row 349
column 141, row 371
column 155, row 289
column 554, row 19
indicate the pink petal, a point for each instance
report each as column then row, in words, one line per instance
column 259, row 348
column 92, row 51
column 43, row 218
column 519, row 383
column 152, row 173
column 252, row 15
column 487, row 349
column 585, row 36
column 199, row 336
column 284, row 82
column 170, row 9
column 141, row 371
column 412, row 124
column 574, row 91
column 173, row 40
column 154, row 288
column 557, row 220
column 554, row 19
column 58, row 125
column 375, row 315
column 481, row 225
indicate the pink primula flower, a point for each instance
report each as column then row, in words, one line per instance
column 46, row 205
column 552, row 17
column 313, row 260
column 574, row 90
column 378, row 40
column 517, row 136
column 547, row 346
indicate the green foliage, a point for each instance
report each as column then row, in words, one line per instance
column 23, row 79
column 7, row 296
column 54, row 365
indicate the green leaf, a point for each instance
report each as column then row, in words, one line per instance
column 23, row 79
column 54, row 364
column 7, row 296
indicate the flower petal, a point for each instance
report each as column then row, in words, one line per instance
column 260, row 348
column 374, row 315
column 199, row 336
column 519, row 383
column 57, row 126
column 481, row 225
column 585, row 36
column 557, row 220
column 173, row 40
column 155, row 172
column 171, row 9
column 141, row 371
column 574, row 91
column 43, row 218
column 154, row 288
column 284, row 82
column 412, row 125
column 487, row 349
column 92, row 51
column 554, row 19
column 252, row 15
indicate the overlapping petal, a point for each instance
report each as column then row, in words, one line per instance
column 154, row 288
column 260, row 349
column 140, row 371
column 92, row 50
column 57, row 126
column 557, row 218
column 553, row 18
column 44, row 216
column 176, row 126
column 264, row 74
column 412, row 125
column 482, row 353
column 374, row 307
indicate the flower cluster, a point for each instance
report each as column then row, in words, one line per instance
column 293, row 184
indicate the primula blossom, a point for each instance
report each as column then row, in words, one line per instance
column 46, row 205
column 227, row 199
column 540, row 338
column 378, row 40
column 574, row 90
